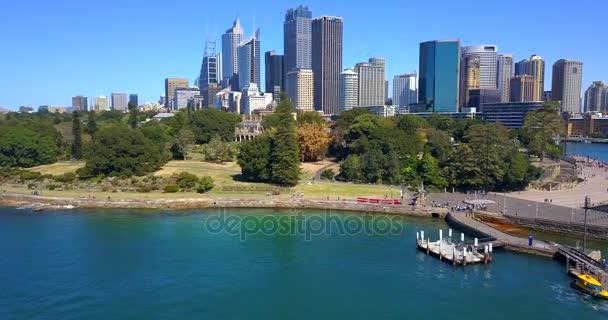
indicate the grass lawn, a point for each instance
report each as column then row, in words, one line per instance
column 58, row 168
column 223, row 174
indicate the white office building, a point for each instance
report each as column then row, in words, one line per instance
column 348, row 90
column 405, row 89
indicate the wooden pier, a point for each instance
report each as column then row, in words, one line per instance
column 461, row 253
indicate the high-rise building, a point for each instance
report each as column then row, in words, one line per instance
column 326, row 62
column 479, row 97
column 372, row 86
column 133, row 100
column 80, row 103
column 349, row 90
column 567, row 84
column 522, row 88
column 101, row 103
column 301, row 90
column 505, row 72
column 230, row 42
column 405, row 89
column 547, row 96
column 183, row 95
column 252, row 99
column 119, row 102
column 249, row 60
column 487, row 64
column 170, row 85
column 439, row 74
column 208, row 94
column 470, row 77
column 297, row 40
column 211, row 68
column 274, row 72
column 596, row 97
column 535, row 66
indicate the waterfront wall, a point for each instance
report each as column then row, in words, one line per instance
column 565, row 228
column 43, row 202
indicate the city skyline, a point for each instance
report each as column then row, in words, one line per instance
column 61, row 72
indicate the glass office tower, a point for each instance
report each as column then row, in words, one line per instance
column 439, row 74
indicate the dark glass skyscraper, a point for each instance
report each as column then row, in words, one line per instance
column 274, row 71
column 439, row 75
column 133, row 100
column 297, row 40
column 326, row 62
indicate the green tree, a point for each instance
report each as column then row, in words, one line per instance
column 439, row 144
column 310, row 117
column 77, row 132
column 441, row 122
column 463, row 170
column 133, row 115
column 516, row 176
column 410, row 123
column 429, row 171
column 207, row 123
column 328, row 174
column 186, row 180
column 543, row 125
column 121, row 151
column 254, row 158
column 205, row 185
column 185, row 138
column 91, row 122
column 284, row 152
column 351, row 168
column 22, row 147
column 218, row 150
column 492, row 149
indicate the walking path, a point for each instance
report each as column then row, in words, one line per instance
column 594, row 185
column 510, row 241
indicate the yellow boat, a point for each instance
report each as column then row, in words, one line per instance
column 589, row 285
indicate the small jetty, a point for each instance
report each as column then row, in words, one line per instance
column 461, row 253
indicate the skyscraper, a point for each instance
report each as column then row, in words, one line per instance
column 349, row 90
column 211, row 68
column 535, row 66
column 504, row 75
column 301, row 91
column 80, row 103
column 119, row 102
column 183, row 95
column 470, row 77
column 133, row 99
column 102, row 103
column 297, row 40
column 487, row 64
column 596, row 97
column 230, row 41
column 274, row 72
column 566, row 84
column 439, row 74
column 372, row 86
column 170, row 85
column 326, row 62
column 249, row 60
column 405, row 89
column 522, row 88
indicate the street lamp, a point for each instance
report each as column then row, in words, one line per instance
column 587, row 204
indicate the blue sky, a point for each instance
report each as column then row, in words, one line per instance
column 53, row 50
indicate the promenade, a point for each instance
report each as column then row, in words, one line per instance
column 505, row 203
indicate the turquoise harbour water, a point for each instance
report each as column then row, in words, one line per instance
column 113, row 264
column 593, row 150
